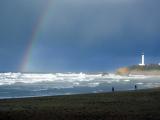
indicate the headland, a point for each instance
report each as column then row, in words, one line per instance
column 148, row 69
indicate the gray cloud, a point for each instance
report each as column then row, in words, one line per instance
column 93, row 20
column 80, row 31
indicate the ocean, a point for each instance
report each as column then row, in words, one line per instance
column 20, row 85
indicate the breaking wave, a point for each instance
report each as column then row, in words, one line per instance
column 26, row 78
column 13, row 85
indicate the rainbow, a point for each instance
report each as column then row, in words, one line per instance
column 34, row 37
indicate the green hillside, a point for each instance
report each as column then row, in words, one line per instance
column 148, row 67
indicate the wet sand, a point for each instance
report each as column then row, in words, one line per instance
column 130, row 105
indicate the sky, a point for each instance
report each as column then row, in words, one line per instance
column 77, row 35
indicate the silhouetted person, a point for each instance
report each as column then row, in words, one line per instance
column 135, row 87
column 112, row 89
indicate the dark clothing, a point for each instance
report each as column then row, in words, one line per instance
column 112, row 89
column 135, row 87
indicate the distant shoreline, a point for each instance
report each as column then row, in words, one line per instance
column 148, row 70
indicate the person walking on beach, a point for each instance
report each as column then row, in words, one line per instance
column 135, row 87
column 112, row 89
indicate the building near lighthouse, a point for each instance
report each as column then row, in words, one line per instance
column 140, row 69
column 142, row 60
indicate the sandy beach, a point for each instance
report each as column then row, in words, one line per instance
column 130, row 105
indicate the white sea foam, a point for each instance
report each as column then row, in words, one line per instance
column 65, row 79
column 93, row 84
column 139, row 83
column 13, row 85
column 126, row 80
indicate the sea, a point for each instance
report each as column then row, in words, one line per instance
column 21, row 85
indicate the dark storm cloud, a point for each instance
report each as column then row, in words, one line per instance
column 81, row 34
column 125, row 21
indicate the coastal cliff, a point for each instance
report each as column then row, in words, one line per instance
column 149, row 69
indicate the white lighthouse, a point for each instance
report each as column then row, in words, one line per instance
column 142, row 64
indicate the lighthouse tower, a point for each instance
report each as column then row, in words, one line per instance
column 142, row 64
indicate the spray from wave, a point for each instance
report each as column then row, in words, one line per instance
column 26, row 78
column 31, row 84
